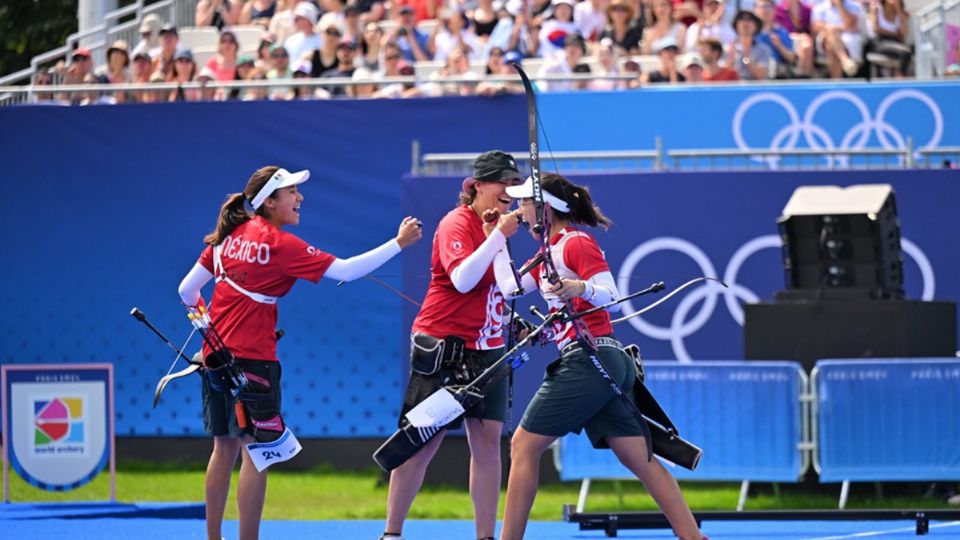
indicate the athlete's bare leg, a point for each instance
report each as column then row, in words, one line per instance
column 217, row 481
column 484, row 440
column 251, row 492
column 632, row 452
column 525, row 451
column 405, row 482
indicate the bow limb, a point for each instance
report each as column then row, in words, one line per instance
column 667, row 297
column 162, row 384
column 533, row 148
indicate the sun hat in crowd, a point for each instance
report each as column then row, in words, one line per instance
column 307, row 11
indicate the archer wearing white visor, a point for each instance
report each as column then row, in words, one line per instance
column 573, row 395
column 255, row 262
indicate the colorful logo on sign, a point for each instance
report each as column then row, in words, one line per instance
column 57, row 423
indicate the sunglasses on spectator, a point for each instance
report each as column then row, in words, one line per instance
column 278, row 55
column 332, row 33
column 392, row 57
column 184, row 60
column 496, row 53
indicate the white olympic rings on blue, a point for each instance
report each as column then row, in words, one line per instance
column 857, row 135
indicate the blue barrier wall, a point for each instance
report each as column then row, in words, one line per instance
column 676, row 226
column 106, row 207
column 888, row 420
column 745, row 416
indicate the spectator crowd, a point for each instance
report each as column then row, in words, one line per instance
column 363, row 46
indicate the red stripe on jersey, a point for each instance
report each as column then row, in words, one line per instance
column 474, row 316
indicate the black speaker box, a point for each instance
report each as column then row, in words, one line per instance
column 842, row 238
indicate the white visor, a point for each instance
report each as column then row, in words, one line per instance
column 280, row 179
column 525, row 191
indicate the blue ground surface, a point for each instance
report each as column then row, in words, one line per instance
column 182, row 521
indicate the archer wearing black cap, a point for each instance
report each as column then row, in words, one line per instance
column 461, row 317
column 494, row 165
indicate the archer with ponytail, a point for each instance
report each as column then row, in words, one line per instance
column 255, row 262
column 573, row 396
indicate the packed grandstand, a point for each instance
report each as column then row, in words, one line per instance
column 412, row 48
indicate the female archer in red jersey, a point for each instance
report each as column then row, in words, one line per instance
column 573, row 395
column 255, row 262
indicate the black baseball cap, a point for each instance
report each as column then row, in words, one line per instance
column 492, row 166
column 495, row 165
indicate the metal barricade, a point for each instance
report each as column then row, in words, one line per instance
column 750, row 418
column 887, row 420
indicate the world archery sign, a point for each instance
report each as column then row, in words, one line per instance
column 57, row 423
column 735, row 294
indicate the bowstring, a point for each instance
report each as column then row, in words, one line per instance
column 182, row 348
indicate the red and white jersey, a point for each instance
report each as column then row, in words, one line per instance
column 577, row 256
column 262, row 259
column 475, row 316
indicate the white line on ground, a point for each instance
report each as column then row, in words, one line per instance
column 880, row 533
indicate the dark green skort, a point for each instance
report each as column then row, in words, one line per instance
column 574, row 396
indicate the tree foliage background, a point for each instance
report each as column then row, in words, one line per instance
column 32, row 27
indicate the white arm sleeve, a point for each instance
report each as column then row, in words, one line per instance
column 466, row 276
column 196, row 278
column 361, row 265
column 601, row 289
column 505, row 280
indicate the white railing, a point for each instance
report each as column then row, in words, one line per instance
column 712, row 159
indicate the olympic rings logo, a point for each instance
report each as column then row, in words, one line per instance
column 734, row 295
column 857, row 135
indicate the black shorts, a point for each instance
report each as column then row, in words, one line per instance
column 219, row 408
column 493, row 406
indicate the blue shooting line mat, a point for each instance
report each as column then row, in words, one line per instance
column 163, row 521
